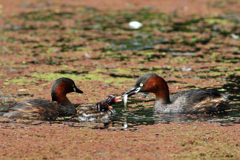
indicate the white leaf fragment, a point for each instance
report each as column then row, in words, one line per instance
column 135, row 25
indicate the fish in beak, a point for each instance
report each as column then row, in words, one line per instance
column 129, row 93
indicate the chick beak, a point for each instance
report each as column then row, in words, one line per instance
column 110, row 107
column 118, row 99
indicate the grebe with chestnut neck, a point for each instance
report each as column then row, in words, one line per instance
column 190, row 101
column 44, row 109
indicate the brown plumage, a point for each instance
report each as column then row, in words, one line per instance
column 44, row 109
column 190, row 101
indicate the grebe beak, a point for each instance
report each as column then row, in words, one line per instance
column 77, row 90
column 132, row 91
column 110, row 107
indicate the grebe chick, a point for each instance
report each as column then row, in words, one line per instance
column 100, row 112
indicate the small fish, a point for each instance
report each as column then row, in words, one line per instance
column 125, row 97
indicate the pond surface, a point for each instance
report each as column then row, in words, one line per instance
column 103, row 55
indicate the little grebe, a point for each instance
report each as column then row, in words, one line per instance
column 100, row 112
column 190, row 101
column 45, row 109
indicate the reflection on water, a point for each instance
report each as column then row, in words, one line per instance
column 147, row 117
column 143, row 116
column 223, row 117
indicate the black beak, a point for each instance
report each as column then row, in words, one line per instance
column 131, row 92
column 77, row 90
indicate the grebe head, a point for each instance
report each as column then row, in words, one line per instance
column 107, row 101
column 61, row 87
column 110, row 99
column 152, row 83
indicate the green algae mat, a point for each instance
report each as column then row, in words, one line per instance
column 190, row 44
